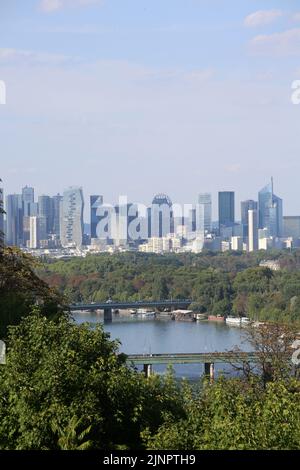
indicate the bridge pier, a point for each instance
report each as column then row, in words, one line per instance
column 147, row 370
column 209, row 371
column 108, row 315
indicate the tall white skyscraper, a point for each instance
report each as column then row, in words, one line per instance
column 204, row 213
column 71, row 226
column 252, row 230
column 37, row 231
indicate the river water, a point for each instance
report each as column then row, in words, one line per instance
column 145, row 336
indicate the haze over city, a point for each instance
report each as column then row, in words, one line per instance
column 141, row 97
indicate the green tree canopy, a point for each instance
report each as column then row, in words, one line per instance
column 234, row 415
column 67, row 386
column 21, row 289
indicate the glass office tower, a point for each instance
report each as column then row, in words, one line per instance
column 96, row 201
column 71, row 227
column 28, row 200
column 56, row 204
column 204, row 213
column 14, row 219
column 270, row 211
column 245, row 207
column 45, row 206
column 160, row 216
column 226, row 209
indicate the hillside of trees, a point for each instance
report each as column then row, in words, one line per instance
column 224, row 283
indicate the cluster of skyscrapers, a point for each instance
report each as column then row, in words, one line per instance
column 57, row 223
column 49, row 222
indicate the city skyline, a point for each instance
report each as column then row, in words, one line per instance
column 91, row 199
column 124, row 95
column 57, row 222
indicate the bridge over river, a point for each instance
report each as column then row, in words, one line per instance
column 208, row 359
column 109, row 305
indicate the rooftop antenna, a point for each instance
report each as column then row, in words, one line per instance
column 272, row 185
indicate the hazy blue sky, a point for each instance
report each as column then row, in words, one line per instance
column 143, row 96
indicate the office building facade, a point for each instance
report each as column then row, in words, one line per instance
column 245, row 207
column 291, row 227
column 28, row 200
column 270, row 211
column 37, row 231
column 71, row 225
column 14, row 219
column 226, row 209
column 252, row 230
column 56, row 202
column 160, row 217
column 204, row 213
column 96, row 201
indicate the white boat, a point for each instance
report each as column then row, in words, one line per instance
column 165, row 314
column 200, row 316
column 142, row 312
column 245, row 321
column 150, row 314
column 132, row 311
column 233, row 321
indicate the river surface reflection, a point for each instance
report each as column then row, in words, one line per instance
column 145, row 336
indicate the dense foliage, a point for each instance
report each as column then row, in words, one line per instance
column 224, row 283
column 67, row 387
column 233, row 414
column 21, row 289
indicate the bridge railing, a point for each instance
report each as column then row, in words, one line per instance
column 197, row 358
column 131, row 304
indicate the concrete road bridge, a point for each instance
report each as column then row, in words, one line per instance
column 208, row 359
column 111, row 305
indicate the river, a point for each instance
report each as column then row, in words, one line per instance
column 144, row 336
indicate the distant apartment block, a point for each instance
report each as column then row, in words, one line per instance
column 271, row 264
